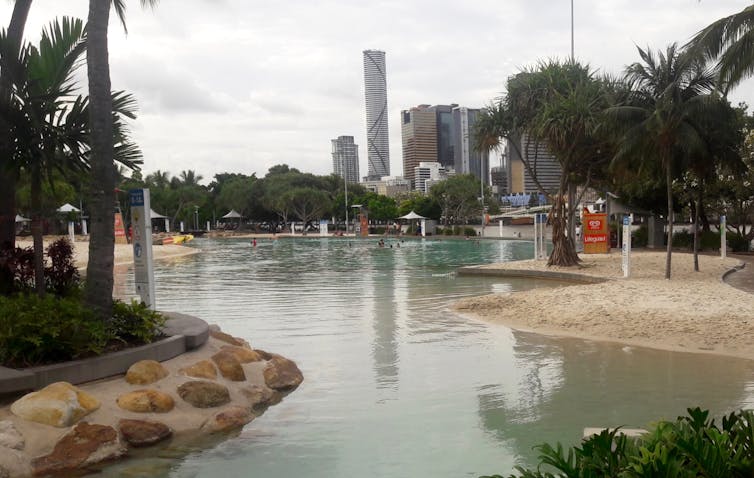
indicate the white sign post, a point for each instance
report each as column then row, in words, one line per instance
column 141, row 223
column 536, row 238
column 626, row 252
column 323, row 227
column 501, row 227
column 723, row 241
column 542, row 231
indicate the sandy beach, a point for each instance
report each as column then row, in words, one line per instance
column 693, row 312
column 123, row 252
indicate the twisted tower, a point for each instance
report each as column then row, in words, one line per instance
column 375, row 92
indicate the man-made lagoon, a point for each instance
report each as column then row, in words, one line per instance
column 396, row 384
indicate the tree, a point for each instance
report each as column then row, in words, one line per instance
column 306, row 204
column 657, row 123
column 8, row 172
column 729, row 41
column 99, row 271
column 422, row 205
column 562, row 105
column 458, row 197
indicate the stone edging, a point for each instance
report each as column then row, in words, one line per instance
column 736, row 268
column 530, row 274
column 184, row 332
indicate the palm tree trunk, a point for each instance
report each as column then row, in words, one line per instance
column 696, row 228
column 99, row 271
column 36, row 232
column 669, row 180
column 7, row 170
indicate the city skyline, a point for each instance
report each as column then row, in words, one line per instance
column 240, row 86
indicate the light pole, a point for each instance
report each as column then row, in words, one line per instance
column 345, row 185
column 196, row 218
column 573, row 57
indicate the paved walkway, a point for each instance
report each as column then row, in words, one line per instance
column 743, row 279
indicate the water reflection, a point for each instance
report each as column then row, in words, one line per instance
column 559, row 386
column 398, row 385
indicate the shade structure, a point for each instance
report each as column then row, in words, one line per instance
column 68, row 208
column 232, row 215
column 412, row 215
column 22, row 219
column 155, row 215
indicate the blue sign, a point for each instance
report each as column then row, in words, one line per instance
column 625, row 220
column 136, row 197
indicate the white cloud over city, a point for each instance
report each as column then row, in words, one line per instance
column 242, row 85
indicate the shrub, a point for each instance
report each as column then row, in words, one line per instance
column 36, row 330
column 691, row 446
column 683, row 240
column 18, row 263
column 640, row 237
column 61, row 275
column 448, row 231
column 469, row 231
column 736, row 242
column 135, row 323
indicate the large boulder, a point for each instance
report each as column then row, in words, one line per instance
column 204, row 394
column 146, row 401
column 59, row 404
column 228, row 419
column 138, row 433
column 229, row 366
column 13, row 462
column 243, row 354
column 227, row 338
column 282, row 374
column 201, row 369
column 145, row 372
column 85, row 445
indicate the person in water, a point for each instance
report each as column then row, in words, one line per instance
column 254, row 242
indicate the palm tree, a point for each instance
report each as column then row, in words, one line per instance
column 729, row 41
column 99, row 271
column 14, row 37
column 51, row 125
column 657, row 123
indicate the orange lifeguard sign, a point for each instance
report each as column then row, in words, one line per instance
column 595, row 234
column 120, row 231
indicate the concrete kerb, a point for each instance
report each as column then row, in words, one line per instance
column 733, row 269
column 184, row 333
column 529, row 274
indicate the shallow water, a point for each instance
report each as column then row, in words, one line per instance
column 395, row 383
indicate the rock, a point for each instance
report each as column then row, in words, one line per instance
column 259, row 396
column 228, row 419
column 228, row 339
column 59, row 404
column 229, row 366
column 145, row 372
column 201, row 369
column 14, row 463
column 10, row 437
column 85, row 445
column 282, row 374
column 265, row 355
column 243, row 354
column 139, row 433
column 204, row 394
column 146, row 401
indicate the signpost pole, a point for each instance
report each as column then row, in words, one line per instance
column 141, row 222
column 626, row 250
column 723, row 241
column 536, row 239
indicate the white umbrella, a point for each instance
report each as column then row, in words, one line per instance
column 68, row 208
column 412, row 215
column 21, row 219
column 232, row 215
column 155, row 215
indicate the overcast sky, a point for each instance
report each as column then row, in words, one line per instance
column 242, row 85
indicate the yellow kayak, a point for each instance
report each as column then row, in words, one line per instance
column 182, row 238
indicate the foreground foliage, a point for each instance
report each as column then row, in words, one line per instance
column 691, row 446
column 38, row 330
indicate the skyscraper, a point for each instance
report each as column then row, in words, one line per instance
column 467, row 159
column 419, row 139
column 375, row 92
column 345, row 158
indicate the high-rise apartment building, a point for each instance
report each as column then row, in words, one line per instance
column 428, row 174
column 375, row 92
column 419, row 139
column 467, row 159
column 345, row 158
column 544, row 166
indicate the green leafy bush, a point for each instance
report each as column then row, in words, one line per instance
column 135, row 323
column 691, row 446
column 469, row 231
column 36, row 330
column 683, row 240
column 640, row 237
column 61, row 276
column 737, row 242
